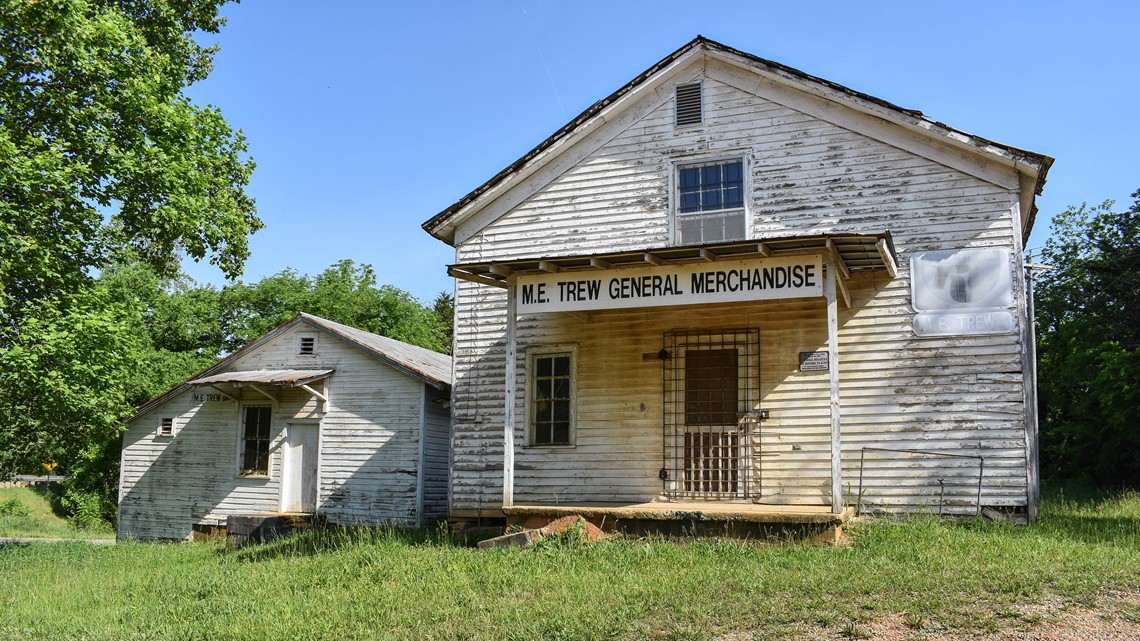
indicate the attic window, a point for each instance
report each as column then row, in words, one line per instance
column 689, row 104
column 308, row 345
column 166, row 427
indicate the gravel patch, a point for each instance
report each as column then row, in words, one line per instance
column 1114, row 617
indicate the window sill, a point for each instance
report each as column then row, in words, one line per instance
column 555, row 446
column 253, row 477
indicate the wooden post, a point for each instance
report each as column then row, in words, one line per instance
column 509, row 400
column 833, row 376
column 1029, row 364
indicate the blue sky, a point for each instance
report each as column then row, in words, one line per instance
column 368, row 118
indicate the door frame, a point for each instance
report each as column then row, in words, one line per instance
column 675, row 428
column 287, row 463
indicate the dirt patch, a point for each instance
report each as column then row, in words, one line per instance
column 1116, row 617
column 567, row 523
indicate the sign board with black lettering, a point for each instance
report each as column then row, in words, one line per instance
column 658, row 286
column 813, row 361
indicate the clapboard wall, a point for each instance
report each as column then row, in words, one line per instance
column 370, row 446
column 814, row 168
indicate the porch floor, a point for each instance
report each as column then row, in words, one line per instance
column 694, row 518
column 688, row 511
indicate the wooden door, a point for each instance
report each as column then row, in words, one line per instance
column 299, row 464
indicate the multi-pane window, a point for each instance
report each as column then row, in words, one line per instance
column 551, row 398
column 710, row 202
column 255, row 440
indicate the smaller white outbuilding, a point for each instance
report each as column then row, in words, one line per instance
column 314, row 417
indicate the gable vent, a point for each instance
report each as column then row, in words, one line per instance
column 308, row 345
column 689, row 104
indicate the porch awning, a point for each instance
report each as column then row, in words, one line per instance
column 278, row 377
column 853, row 252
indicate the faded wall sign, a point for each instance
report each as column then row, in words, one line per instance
column 657, row 286
column 962, row 292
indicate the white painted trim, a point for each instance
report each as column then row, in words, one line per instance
column 533, row 352
column 833, row 381
column 700, row 83
column 918, row 128
column 286, row 434
column 509, row 399
column 994, row 169
column 674, row 201
column 301, row 336
column 275, row 435
column 564, row 155
column 421, row 453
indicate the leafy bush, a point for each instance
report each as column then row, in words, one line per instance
column 14, row 507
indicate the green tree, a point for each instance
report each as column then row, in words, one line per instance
column 444, row 308
column 103, row 156
column 1088, row 311
column 345, row 292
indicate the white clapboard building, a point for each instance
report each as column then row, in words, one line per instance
column 314, row 417
column 732, row 288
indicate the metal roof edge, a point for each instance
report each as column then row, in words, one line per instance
column 301, row 317
column 1023, row 160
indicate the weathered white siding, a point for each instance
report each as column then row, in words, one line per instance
column 436, row 453
column 813, row 170
column 369, row 446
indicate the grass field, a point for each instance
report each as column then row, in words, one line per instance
column 381, row 584
column 28, row 512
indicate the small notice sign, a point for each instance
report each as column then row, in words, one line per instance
column 813, row 361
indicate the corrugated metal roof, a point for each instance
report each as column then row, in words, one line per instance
column 431, row 367
column 857, row 251
column 281, row 377
column 417, row 361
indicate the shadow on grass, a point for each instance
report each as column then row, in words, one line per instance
column 53, row 494
column 1091, row 516
column 338, row 538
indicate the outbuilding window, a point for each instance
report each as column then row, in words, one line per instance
column 255, row 436
column 551, row 397
column 710, row 202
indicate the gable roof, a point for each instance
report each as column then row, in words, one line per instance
column 1031, row 165
column 432, row 368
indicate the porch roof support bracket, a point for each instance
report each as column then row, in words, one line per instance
column 833, row 379
column 323, row 398
column 257, row 388
column 509, row 399
column 222, row 392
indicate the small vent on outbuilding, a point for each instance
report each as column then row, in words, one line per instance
column 166, row 427
column 689, row 104
column 308, row 345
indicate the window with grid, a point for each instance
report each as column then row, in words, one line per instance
column 551, row 398
column 710, row 202
column 255, row 438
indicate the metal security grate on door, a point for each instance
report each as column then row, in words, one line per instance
column 712, row 382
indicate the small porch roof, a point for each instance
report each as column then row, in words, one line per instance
column 853, row 252
column 278, row 377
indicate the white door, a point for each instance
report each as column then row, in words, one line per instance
column 299, row 468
